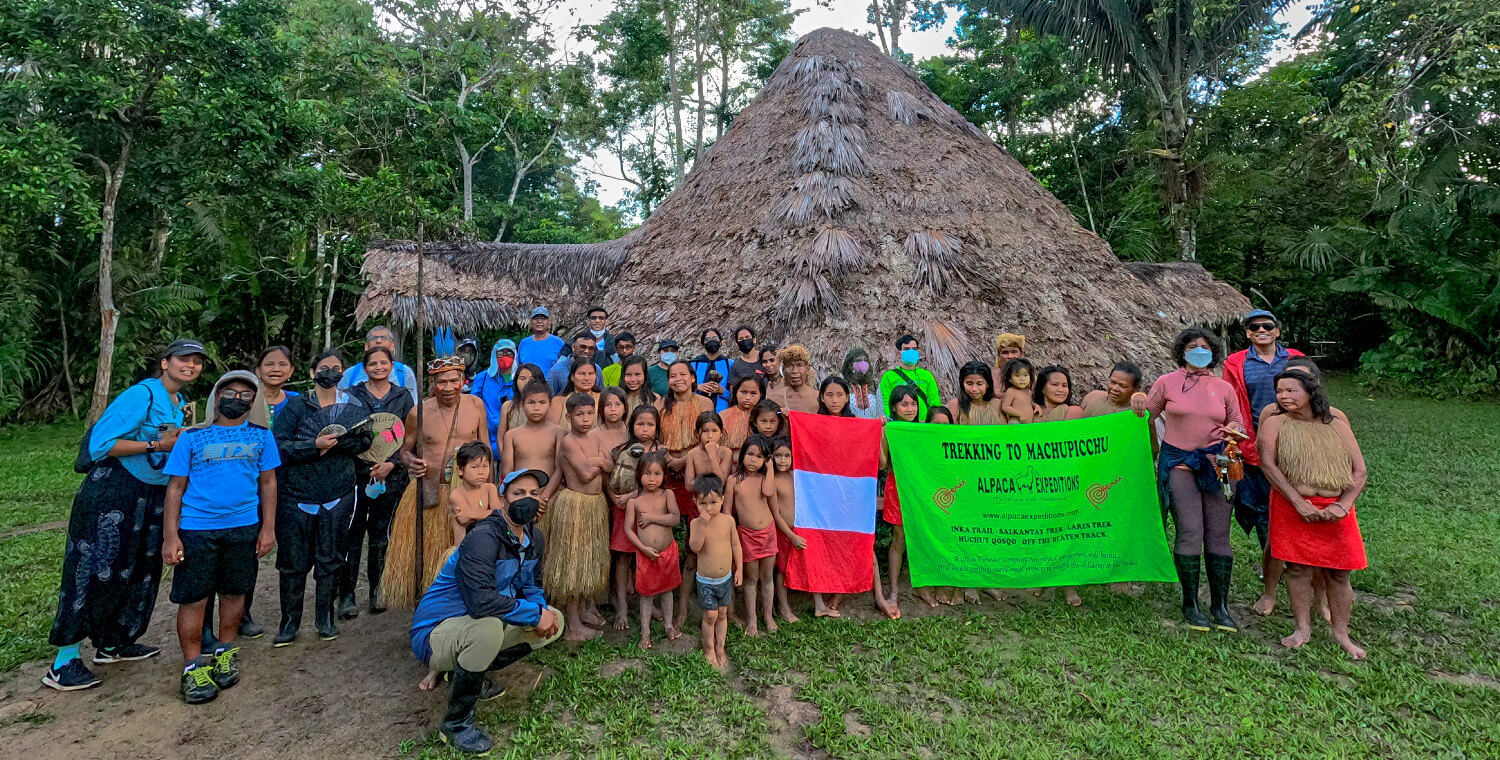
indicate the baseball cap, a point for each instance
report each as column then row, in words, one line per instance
column 666, row 343
column 185, row 347
column 541, row 478
column 540, row 311
column 1260, row 313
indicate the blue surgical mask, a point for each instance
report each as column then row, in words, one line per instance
column 375, row 489
column 910, row 356
column 669, row 357
column 597, row 333
column 1199, row 357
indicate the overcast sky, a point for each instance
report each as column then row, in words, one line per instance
column 843, row 14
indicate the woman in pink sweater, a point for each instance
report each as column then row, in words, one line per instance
column 1196, row 408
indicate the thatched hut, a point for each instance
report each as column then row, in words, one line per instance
column 846, row 205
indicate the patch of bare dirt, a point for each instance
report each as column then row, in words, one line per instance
column 615, row 668
column 354, row 697
column 1468, row 679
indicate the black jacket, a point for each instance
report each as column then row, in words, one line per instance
column 307, row 476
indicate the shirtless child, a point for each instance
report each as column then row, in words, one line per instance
column 577, row 566
column 475, row 496
column 749, row 497
column 533, row 446
column 1016, row 402
column 709, row 457
column 650, row 515
column 712, row 536
column 785, row 503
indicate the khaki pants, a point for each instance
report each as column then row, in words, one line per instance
column 473, row 643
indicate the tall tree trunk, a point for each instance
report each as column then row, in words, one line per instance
column 467, row 163
column 67, row 358
column 109, row 317
column 159, row 240
column 333, row 280
column 897, row 17
column 878, row 12
column 721, row 123
column 320, row 251
column 698, row 74
column 1175, row 180
column 678, row 158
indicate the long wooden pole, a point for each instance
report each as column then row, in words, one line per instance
column 421, row 369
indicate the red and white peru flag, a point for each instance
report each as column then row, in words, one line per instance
column 835, row 463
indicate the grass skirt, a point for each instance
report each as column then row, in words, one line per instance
column 396, row 588
column 577, row 562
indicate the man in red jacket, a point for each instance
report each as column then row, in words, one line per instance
column 1253, row 373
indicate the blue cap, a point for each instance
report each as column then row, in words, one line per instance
column 1260, row 313
column 540, row 311
column 541, row 478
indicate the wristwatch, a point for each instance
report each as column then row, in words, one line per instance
column 150, row 447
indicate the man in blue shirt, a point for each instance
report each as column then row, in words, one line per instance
column 485, row 610
column 541, row 347
column 220, row 517
column 380, row 336
column 585, row 348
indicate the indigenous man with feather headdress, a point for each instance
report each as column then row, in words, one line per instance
column 450, row 419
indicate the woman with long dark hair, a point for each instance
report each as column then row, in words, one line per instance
column 1313, row 460
column 112, row 563
column 378, row 485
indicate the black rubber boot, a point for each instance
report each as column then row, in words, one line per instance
column 248, row 627
column 348, row 608
column 502, row 660
column 293, row 588
column 458, row 722
column 376, row 568
column 327, row 629
column 1220, row 567
column 1188, row 567
column 210, row 641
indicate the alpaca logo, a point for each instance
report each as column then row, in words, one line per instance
column 1098, row 492
column 943, row 497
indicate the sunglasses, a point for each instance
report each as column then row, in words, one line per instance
column 241, row 395
column 1261, row 327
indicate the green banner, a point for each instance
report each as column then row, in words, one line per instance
column 1030, row 506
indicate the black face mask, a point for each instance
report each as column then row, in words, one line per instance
column 746, row 344
column 327, row 378
column 523, row 510
column 233, row 408
column 712, row 346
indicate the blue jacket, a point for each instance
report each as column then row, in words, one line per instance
column 491, row 575
column 494, row 392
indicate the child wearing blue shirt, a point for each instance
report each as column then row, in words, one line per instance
column 220, row 518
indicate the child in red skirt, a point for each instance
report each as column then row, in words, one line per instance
column 650, row 515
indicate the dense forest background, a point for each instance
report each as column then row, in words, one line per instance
column 215, row 167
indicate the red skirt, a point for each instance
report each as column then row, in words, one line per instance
column 617, row 540
column 783, row 550
column 890, row 506
column 685, row 504
column 757, row 544
column 1333, row 545
column 660, row 575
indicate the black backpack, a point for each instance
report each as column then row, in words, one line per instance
column 85, row 462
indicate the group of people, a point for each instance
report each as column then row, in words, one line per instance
column 520, row 495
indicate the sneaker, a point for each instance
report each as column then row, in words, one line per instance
column 72, row 676
column 127, row 653
column 226, row 667
column 198, row 682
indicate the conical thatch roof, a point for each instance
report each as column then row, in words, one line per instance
column 847, row 205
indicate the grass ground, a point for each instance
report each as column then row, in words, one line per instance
column 1117, row 678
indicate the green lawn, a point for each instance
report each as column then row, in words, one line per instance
column 1116, row 679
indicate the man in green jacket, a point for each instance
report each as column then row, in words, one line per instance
column 908, row 373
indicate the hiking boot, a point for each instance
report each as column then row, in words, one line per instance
column 348, row 608
column 1220, row 568
column 1188, row 568
column 458, row 722
column 127, row 653
column 72, row 676
column 198, row 682
column 286, row 636
column 226, row 667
